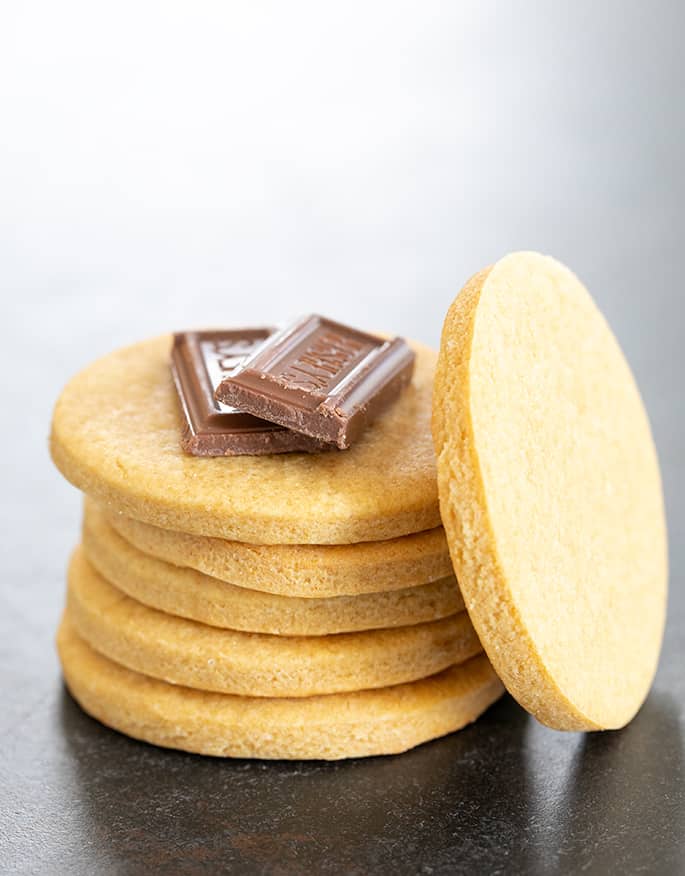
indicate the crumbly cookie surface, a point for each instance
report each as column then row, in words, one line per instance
column 185, row 652
column 191, row 594
column 550, row 494
column 370, row 722
column 116, row 435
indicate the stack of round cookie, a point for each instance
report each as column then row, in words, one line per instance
column 286, row 606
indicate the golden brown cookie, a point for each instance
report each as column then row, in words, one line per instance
column 308, row 570
column 193, row 595
column 116, row 435
column 550, row 494
column 252, row 664
column 383, row 721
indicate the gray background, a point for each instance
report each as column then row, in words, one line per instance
column 170, row 165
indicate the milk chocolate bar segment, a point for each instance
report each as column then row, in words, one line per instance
column 320, row 378
column 199, row 361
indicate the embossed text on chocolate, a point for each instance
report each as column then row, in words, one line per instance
column 224, row 355
column 321, row 362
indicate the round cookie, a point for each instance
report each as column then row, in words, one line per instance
column 371, row 722
column 550, row 494
column 191, row 594
column 116, row 435
column 307, row 571
column 253, row 664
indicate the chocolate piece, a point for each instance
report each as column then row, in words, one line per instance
column 320, row 378
column 199, row 361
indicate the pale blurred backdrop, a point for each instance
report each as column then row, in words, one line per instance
column 167, row 165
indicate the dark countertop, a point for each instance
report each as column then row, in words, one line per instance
column 503, row 796
column 533, row 128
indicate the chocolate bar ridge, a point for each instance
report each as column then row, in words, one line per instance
column 199, row 360
column 321, row 378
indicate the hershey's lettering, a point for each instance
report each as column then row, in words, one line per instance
column 321, row 362
column 230, row 354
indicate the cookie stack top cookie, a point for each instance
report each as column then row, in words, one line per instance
column 116, row 436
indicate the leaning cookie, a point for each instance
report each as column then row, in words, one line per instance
column 371, row 722
column 550, row 494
